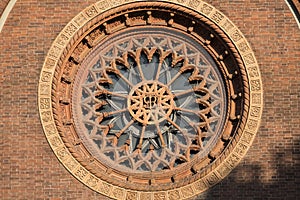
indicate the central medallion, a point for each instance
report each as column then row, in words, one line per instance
column 150, row 102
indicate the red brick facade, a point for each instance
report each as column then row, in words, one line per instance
column 30, row 170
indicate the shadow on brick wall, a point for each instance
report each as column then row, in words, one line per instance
column 284, row 180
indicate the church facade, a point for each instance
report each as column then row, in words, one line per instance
column 179, row 99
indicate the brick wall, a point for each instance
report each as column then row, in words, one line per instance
column 297, row 4
column 3, row 4
column 29, row 169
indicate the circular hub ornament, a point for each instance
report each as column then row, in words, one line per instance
column 150, row 100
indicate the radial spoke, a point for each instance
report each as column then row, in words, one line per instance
column 176, row 126
column 188, row 121
column 158, row 70
column 124, row 129
column 117, row 111
column 186, row 110
column 184, row 92
column 173, row 79
column 117, row 94
column 160, row 135
column 141, row 71
column 193, row 112
column 141, row 137
column 126, row 80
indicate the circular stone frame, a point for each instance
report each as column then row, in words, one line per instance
column 72, row 45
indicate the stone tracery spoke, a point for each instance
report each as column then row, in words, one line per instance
column 163, row 144
column 117, row 112
column 117, row 135
column 118, row 73
column 198, row 113
column 102, row 91
column 176, row 126
column 173, row 79
column 139, row 146
column 141, row 73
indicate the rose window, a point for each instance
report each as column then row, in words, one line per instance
column 149, row 102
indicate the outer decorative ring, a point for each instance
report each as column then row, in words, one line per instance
column 65, row 151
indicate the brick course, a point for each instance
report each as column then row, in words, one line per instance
column 3, row 5
column 29, row 169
